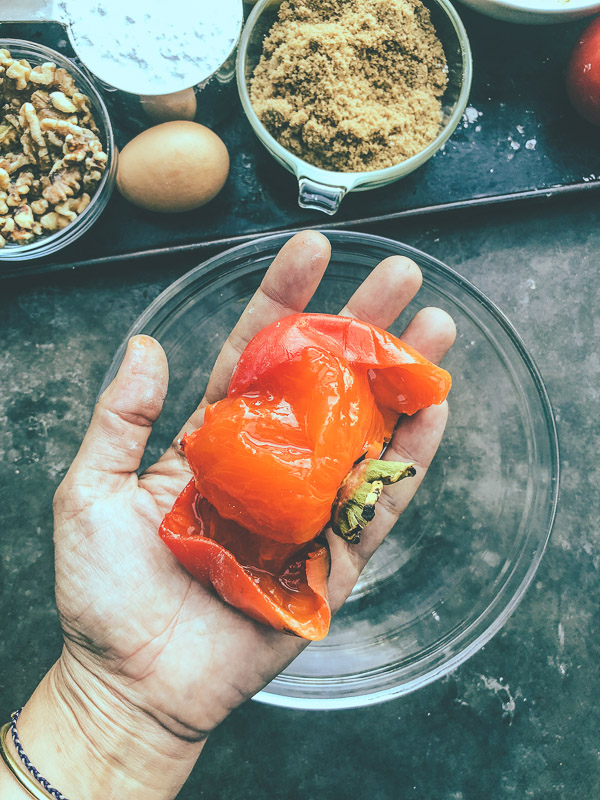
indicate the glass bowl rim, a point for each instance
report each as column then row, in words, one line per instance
column 260, row 247
column 47, row 245
column 357, row 179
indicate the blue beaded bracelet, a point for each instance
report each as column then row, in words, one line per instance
column 26, row 762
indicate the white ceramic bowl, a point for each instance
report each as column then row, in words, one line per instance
column 535, row 11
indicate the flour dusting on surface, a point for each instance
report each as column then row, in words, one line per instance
column 150, row 46
column 470, row 116
column 502, row 690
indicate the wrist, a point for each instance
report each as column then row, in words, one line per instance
column 89, row 742
column 10, row 785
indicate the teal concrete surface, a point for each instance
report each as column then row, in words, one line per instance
column 519, row 720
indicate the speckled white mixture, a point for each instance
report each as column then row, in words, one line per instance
column 153, row 46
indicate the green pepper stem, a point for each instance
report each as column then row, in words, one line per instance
column 355, row 502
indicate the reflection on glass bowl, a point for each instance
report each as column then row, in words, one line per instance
column 460, row 558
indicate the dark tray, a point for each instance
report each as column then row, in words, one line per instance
column 518, row 96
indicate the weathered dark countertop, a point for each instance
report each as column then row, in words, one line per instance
column 520, row 719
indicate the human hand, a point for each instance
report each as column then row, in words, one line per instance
column 144, row 642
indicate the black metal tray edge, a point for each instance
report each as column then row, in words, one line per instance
column 24, row 270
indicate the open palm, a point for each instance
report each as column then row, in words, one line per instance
column 132, row 616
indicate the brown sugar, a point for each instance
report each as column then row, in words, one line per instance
column 351, row 85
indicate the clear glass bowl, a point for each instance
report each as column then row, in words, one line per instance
column 322, row 189
column 46, row 245
column 460, row 558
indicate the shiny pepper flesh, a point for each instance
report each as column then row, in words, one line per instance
column 311, row 395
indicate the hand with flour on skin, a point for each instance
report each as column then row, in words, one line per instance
column 152, row 660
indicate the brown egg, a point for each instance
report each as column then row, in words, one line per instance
column 176, row 166
column 165, row 107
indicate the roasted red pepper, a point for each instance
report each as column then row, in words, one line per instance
column 311, row 395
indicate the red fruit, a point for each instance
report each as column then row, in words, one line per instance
column 583, row 74
column 311, row 395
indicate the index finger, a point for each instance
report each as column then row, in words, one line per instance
column 286, row 288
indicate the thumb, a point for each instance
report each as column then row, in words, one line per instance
column 124, row 415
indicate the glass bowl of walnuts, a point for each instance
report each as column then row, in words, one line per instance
column 58, row 159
